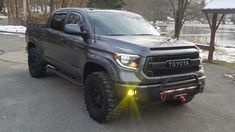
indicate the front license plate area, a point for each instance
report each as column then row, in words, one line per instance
column 174, row 93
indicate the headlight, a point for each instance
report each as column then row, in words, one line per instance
column 127, row 60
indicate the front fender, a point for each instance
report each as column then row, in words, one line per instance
column 116, row 73
column 36, row 43
column 104, row 62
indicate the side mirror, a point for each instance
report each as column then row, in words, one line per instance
column 74, row 29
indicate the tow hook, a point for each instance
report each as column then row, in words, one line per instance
column 163, row 96
column 200, row 88
column 182, row 99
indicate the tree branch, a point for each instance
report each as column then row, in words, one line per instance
column 220, row 21
column 209, row 21
column 173, row 10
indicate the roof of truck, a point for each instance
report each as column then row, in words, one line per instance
column 90, row 9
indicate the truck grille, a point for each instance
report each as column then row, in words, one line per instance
column 158, row 65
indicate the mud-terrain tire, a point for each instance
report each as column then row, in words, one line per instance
column 36, row 64
column 178, row 102
column 101, row 98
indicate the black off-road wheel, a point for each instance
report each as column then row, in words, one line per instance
column 101, row 98
column 178, row 102
column 36, row 64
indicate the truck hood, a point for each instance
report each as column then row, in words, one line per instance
column 142, row 44
column 148, row 41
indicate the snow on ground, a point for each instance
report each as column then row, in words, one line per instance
column 12, row 29
column 3, row 17
column 222, row 54
column 225, row 54
column 19, row 35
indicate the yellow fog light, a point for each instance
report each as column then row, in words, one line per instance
column 133, row 65
column 131, row 92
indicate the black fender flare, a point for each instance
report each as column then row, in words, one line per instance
column 35, row 42
column 107, row 64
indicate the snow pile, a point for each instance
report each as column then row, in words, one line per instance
column 13, row 29
column 229, row 76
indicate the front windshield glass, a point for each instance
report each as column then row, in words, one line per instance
column 120, row 24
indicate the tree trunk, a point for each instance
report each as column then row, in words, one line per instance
column 81, row 3
column 64, row 3
column 177, row 30
column 51, row 6
column 8, row 12
column 25, row 11
column 28, row 9
column 45, row 6
column 212, row 41
column 178, row 27
column 179, row 20
column 16, row 12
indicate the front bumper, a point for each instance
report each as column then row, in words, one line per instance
column 164, row 90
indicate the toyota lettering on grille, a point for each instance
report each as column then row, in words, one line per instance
column 179, row 63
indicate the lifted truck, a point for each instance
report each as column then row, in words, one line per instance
column 114, row 54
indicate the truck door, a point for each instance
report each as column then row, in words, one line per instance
column 73, row 46
column 52, row 46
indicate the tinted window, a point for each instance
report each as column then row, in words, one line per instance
column 76, row 19
column 121, row 24
column 58, row 20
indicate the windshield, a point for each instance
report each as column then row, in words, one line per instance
column 120, row 24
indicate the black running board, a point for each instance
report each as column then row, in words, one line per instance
column 58, row 72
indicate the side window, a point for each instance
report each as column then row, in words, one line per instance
column 57, row 22
column 76, row 19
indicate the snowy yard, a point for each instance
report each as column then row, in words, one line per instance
column 12, row 29
column 3, row 17
column 222, row 54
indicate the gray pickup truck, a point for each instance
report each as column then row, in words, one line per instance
column 115, row 56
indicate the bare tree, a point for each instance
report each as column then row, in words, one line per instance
column 158, row 10
column 182, row 11
column 152, row 10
